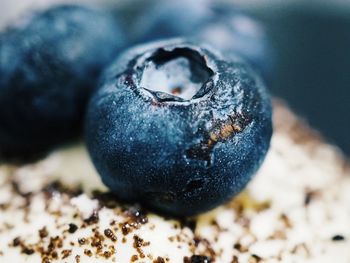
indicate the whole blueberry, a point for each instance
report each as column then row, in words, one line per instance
column 168, row 18
column 220, row 25
column 177, row 127
column 235, row 33
column 49, row 66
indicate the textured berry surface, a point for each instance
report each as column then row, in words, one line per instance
column 176, row 152
column 49, row 65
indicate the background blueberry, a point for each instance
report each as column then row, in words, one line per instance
column 221, row 25
column 234, row 33
column 177, row 127
column 164, row 19
column 49, row 65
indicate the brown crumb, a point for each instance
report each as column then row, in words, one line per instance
column 286, row 221
column 66, row 253
column 309, row 196
column 126, row 229
column 138, row 242
column 159, row 260
column 16, row 242
column 110, row 234
column 234, row 259
column 88, row 252
column 240, row 247
column 254, row 259
column 107, row 254
column 82, row 241
column 43, row 232
column 28, row 251
column 93, row 218
column 134, row 258
column 97, row 240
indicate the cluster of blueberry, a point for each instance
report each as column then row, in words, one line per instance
column 173, row 123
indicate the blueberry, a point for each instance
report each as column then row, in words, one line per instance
column 220, row 25
column 164, row 19
column 234, row 33
column 49, row 66
column 177, row 127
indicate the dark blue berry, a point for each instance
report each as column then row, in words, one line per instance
column 219, row 25
column 177, row 127
column 164, row 19
column 49, row 66
column 235, row 33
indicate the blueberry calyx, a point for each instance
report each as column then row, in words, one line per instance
column 180, row 74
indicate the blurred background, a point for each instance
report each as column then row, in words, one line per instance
column 311, row 41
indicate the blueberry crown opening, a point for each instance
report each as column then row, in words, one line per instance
column 178, row 74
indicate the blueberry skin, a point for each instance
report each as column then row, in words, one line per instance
column 180, row 157
column 49, row 66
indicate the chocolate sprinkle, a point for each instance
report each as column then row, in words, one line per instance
column 72, row 228
column 197, row 259
column 159, row 260
column 338, row 238
column 93, row 219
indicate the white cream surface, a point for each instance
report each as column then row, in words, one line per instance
column 290, row 212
